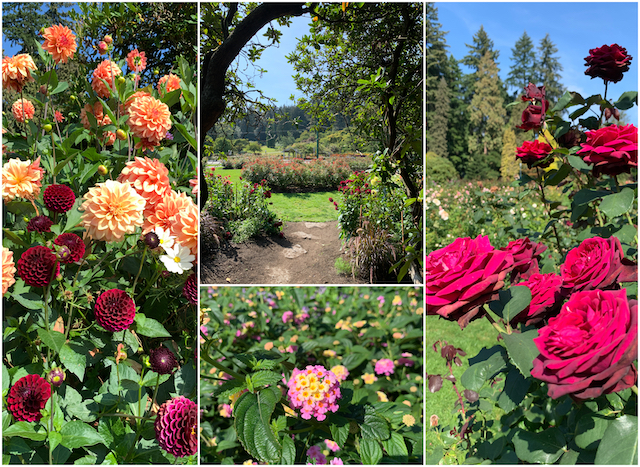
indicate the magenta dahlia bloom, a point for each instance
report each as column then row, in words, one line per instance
column 75, row 245
column 36, row 266
column 315, row 391
column 58, row 198
column 190, row 289
column 384, row 366
column 27, row 397
column 176, row 425
column 115, row 310
column 162, row 360
column 39, row 224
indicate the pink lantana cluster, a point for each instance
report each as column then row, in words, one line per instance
column 315, row 391
column 384, row 366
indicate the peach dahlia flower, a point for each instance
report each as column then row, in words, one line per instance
column 149, row 177
column 172, row 83
column 161, row 215
column 8, row 270
column 149, row 119
column 23, row 110
column 185, row 227
column 133, row 97
column 21, row 179
column 111, row 210
column 60, row 42
column 137, row 61
column 108, row 71
column 16, row 71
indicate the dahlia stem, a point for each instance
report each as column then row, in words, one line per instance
column 53, row 155
column 144, row 253
column 140, row 395
column 53, row 395
column 155, row 391
column 149, row 284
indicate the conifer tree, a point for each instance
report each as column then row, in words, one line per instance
column 436, row 57
column 548, row 70
column 481, row 45
column 458, row 119
column 523, row 68
column 509, row 165
column 439, row 121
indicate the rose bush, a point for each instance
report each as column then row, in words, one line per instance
column 86, row 296
column 561, row 384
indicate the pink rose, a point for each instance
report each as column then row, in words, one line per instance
column 534, row 151
column 589, row 348
column 596, row 263
column 545, row 298
column 612, row 149
column 608, row 62
column 463, row 276
column 525, row 257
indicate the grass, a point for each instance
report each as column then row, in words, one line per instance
column 295, row 207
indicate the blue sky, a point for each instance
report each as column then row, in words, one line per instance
column 573, row 27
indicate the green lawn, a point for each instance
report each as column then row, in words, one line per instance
column 296, row 207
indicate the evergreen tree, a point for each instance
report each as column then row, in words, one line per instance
column 458, row 118
column 439, row 120
column 436, row 57
column 523, row 68
column 548, row 70
column 486, row 119
column 509, row 165
column 481, row 45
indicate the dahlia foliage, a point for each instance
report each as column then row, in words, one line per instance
column 92, row 165
column 563, row 296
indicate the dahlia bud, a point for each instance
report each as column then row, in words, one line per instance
column 72, row 97
column 44, row 90
column 56, row 376
column 121, row 135
column 151, row 240
column 47, row 127
column 102, row 170
column 121, row 80
column 145, row 361
column 108, row 39
column 102, row 47
column 63, row 253
column 120, row 354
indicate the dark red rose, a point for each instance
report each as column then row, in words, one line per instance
column 39, row 224
column 534, row 151
column 267, row 194
column 58, row 198
column 463, row 276
column 176, row 425
column 28, row 397
column 533, row 93
column 190, row 290
column 545, row 298
column 36, row 266
column 75, row 245
column 608, row 62
column 533, row 116
column 115, row 310
column 525, row 257
column 162, row 361
column 570, row 139
column 589, row 348
column 612, row 149
column 596, row 263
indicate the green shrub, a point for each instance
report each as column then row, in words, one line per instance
column 440, row 170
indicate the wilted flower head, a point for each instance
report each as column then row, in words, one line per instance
column 115, row 310
column 315, row 391
column 60, row 42
column 16, row 71
column 108, row 71
column 27, row 397
column 111, row 210
column 23, row 110
column 176, row 425
column 8, row 270
column 136, row 61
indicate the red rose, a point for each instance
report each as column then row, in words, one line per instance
column 533, row 93
column 545, row 298
column 596, row 263
column 525, row 257
column 533, row 151
column 589, row 348
column 463, row 276
column 533, row 116
column 612, row 149
column 608, row 62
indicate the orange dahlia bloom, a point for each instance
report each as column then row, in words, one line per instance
column 149, row 119
column 22, row 110
column 161, row 215
column 185, row 227
column 149, row 177
column 60, row 42
column 111, row 210
column 8, row 270
column 108, row 71
column 133, row 97
column 21, row 179
column 97, row 111
column 136, row 61
column 16, row 71
column 172, row 83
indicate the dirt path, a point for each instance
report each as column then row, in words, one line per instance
column 306, row 255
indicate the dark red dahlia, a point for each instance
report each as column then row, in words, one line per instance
column 27, row 397
column 58, row 198
column 115, row 310
column 152, row 240
column 162, row 361
column 36, row 266
column 176, row 425
column 39, row 224
column 75, row 245
column 190, row 289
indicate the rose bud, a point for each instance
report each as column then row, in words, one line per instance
column 607, row 113
column 56, row 376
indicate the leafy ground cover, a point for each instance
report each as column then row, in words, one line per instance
column 366, row 344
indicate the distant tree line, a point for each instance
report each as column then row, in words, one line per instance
column 470, row 130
